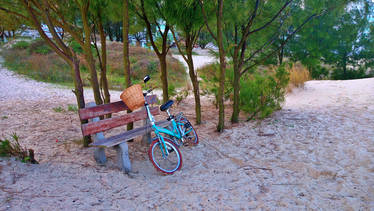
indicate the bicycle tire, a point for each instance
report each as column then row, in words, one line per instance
column 159, row 162
column 192, row 136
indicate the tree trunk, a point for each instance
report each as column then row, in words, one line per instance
column 345, row 66
column 89, row 57
column 222, row 69
column 280, row 56
column 78, row 91
column 164, row 77
column 109, row 31
column 126, row 52
column 236, row 85
column 103, row 78
column 195, row 85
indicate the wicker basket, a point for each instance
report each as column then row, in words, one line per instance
column 133, row 97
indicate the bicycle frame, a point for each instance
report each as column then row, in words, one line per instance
column 175, row 132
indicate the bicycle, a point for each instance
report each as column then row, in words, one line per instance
column 164, row 150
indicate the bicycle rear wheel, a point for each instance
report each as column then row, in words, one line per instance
column 166, row 164
column 191, row 135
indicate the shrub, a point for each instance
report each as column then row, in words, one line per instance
column 262, row 94
column 12, row 147
column 338, row 74
column 298, row 75
column 21, row 45
column 319, row 72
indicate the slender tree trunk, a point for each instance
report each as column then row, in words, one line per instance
column 78, row 92
column 89, row 57
column 164, row 77
column 222, row 69
column 345, row 66
column 236, row 86
column 109, row 31
column 195, row 85
column 126, row 52
column 103, row 78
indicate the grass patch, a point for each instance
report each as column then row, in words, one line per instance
column 58, row 109
column 73, row 108
column 4, row 117
column 12, row 147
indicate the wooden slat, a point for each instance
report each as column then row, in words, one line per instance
column 128, row 135
column 101, row 110
column 106, row 124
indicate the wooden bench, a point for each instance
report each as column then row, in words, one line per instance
column 97, row 126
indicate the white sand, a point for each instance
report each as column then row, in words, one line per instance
column 321, row 156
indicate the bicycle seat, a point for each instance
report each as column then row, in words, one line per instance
column 166, row 105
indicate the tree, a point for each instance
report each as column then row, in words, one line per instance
column 98, row 8
column 187, row 18
column 217, row 8
column 340, row 38
column 152, row 13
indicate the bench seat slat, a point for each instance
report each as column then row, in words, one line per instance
column 106, row 124
column 101, row 110
column 128, row 135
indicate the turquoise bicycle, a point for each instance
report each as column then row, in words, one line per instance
column 164, row 150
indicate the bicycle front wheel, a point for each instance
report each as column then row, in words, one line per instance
column 167, row 164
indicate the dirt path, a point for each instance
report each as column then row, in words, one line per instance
column 316, row 153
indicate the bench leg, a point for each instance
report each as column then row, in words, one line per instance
column 99, row 155
column 123, row 157
column 147, row 139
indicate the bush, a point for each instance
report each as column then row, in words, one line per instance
column 262, row 94
column 21, row 45
column 318, row 72
column 338, row 74
column 298, row 75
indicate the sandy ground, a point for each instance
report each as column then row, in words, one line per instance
column 316, row 153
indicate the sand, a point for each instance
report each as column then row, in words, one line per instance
column 316, row 153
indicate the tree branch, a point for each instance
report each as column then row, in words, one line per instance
column 283, row 44
column 177, row 43
column 206, row 20
column 275, row 17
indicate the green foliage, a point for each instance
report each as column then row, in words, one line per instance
column 4, row 117
column 76, row 47
column 5, row 148
column 72, row 108
column 340, row 38
column 58, row 109
column 172, row 91
column 319, row 72
column 338, row 74
column 262, row 94
column 21, row 45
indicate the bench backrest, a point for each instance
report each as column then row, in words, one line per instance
column 109, row 123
